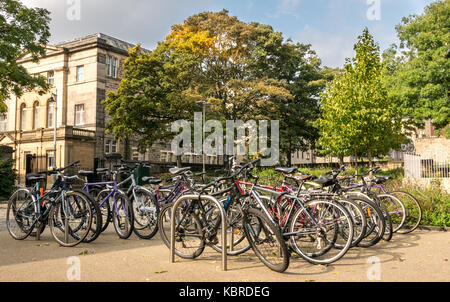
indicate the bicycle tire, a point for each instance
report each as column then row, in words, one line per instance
column 97, row 220
column 122, row 216
column 105, row 207
column 314, row 232
column 272, row 235
column 234, row 221
column 413, row 211
column 13, row 212
column 58, row 215
column 392, row 204
column 146, row 219
column 359, row 221
column 164, row 217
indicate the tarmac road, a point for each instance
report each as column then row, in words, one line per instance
column 419, row 256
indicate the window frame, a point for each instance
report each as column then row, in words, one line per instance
column 36, row 115
column 23, row 115
column 51, row 111
column 51, row 77
column 80, row 114
column 78, row 79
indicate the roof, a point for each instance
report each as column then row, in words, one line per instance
column 99, row 37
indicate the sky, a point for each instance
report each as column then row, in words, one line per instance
column 330, row 26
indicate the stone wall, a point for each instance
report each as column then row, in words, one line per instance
column 433, row 148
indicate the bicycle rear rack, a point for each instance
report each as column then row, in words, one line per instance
column 224, row 225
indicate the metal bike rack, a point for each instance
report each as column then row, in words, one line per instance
column 224, row 225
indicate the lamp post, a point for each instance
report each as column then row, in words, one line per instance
column 53, row 100
column 204, row 103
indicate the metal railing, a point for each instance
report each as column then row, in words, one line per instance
column 418, row 167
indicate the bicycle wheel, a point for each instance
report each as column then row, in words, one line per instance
column 396, row 210
column 146, row 212
column 266, row 240
column 70, row 218
column 97, row 220
column 237, row 243
column 104, row 202
column 388, row 231
column 122, row 214
column 375, row 222
column 20, row 214
column 359, row 222
column 189, row 236
column 316, row 227
column 413, row 211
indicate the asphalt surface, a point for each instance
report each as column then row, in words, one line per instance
column 419, row 256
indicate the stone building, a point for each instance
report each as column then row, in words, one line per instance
column 80, row 71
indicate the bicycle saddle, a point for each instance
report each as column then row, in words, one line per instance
column 325, row 181
column 85, row 173
column 102, row 170
column 306, row 177
column 35, row 177
column 178, row 171
column 151, row 180
column 286, row 170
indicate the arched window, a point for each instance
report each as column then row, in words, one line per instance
column 23, row 117
column 50, row 114
column 36, row 115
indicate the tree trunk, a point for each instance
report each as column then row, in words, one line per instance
column 356, row 162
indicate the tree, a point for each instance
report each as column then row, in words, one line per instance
column 8, row 176
column 245, row 70
column 22, row 31
column 357, row 117
column 417, row 73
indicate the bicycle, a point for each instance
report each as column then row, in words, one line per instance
column 67, row 212
column 406, row 209
column 194, row 230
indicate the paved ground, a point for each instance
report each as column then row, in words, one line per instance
column 420, row 256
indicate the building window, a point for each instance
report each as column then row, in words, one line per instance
column 114, row 67
column 36, row 115
column 107, row 146
column 79, row 114
column 80, row 74
column 113, row 147
column 2, row 122
column 51, row 78
column 111, row 66
column 50, row 159
column 23, row 117
column 108, row 66
column 50, row 114
column 110, row 146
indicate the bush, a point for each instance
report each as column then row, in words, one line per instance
column 8, row 175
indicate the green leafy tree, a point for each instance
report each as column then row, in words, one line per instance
column 245, row 70
column 8, row 176
column 357, row 117
column 417, row 72
column 22, row 31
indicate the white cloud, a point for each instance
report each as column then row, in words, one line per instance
column 330, row 47
column 137, row 21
